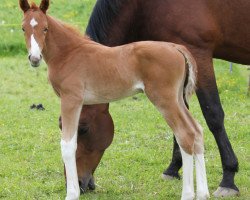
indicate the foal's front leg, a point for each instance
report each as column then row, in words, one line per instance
column 70, row 111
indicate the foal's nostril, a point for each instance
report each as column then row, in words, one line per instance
column 29, row 57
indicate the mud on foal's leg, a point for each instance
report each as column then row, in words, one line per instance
column 70, row 112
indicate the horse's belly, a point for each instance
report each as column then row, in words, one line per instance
column 105, row 96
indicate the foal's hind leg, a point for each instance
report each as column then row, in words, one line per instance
column 176, row 163
column 201, row 178
column 197, row 149
column 186, row 131
column 185, row 136
column 183, row 131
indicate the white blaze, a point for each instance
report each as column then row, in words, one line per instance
column 33, row 22
column 34, row 49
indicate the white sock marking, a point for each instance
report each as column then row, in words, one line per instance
column 69, row 157
column 33, row 22
column 188, row 181
column 201, row 178
column 34, row 49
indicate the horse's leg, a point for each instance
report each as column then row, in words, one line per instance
column 201, row 178
column 188, row 182
column 209, row 100
column 70, row 111
column 176, row 163
column 185, row 135
column 183, row 130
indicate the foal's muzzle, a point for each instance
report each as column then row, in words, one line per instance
column 34, row 60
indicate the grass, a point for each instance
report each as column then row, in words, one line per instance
column 31, row 165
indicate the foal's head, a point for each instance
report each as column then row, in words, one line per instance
column 35, row 28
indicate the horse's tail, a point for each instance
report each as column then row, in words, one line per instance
column 191, row 72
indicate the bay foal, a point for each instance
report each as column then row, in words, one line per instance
column 83, row 72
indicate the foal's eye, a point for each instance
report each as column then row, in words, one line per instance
column 23, row 29
column 45, row 30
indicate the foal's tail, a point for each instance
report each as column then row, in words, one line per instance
column 191, row 71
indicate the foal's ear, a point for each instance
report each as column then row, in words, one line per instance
column 44, row 5
column 24, row 5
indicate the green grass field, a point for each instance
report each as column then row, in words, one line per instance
column 30, row 160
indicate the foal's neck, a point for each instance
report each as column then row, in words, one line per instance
column 60, row 40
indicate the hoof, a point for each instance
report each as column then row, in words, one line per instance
column 187, row 196
column 72, row 195
column 169, row 177
column 225, row 192
column 203, row 196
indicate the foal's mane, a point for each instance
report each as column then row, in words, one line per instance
column 102, row 17
column 73, row 31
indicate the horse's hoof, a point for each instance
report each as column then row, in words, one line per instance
column 187, row 196
column 72, row 194
column 203, row 196
column 225, row 192
column 169, row 177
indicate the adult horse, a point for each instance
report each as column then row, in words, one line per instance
column 209, row 28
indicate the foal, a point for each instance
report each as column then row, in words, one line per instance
column 84, row 72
